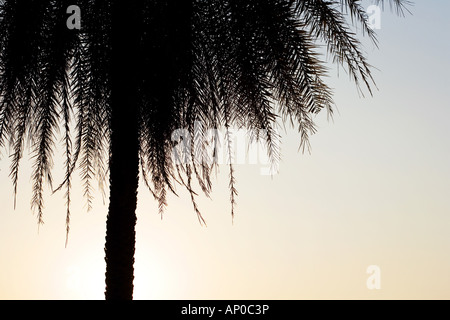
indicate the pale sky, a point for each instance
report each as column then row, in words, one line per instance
column 374, row 191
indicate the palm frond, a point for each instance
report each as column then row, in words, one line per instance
column 328, row 24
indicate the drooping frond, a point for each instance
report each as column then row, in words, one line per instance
column 47, row 75
column 328, row 24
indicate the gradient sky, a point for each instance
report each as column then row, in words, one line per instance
column 374, row 191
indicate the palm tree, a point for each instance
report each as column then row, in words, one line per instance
column 137, row 71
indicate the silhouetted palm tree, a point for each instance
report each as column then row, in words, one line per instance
column 137, row 71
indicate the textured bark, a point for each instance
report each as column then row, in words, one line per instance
column 124, row 160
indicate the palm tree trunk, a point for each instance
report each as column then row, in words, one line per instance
column 124, row 159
